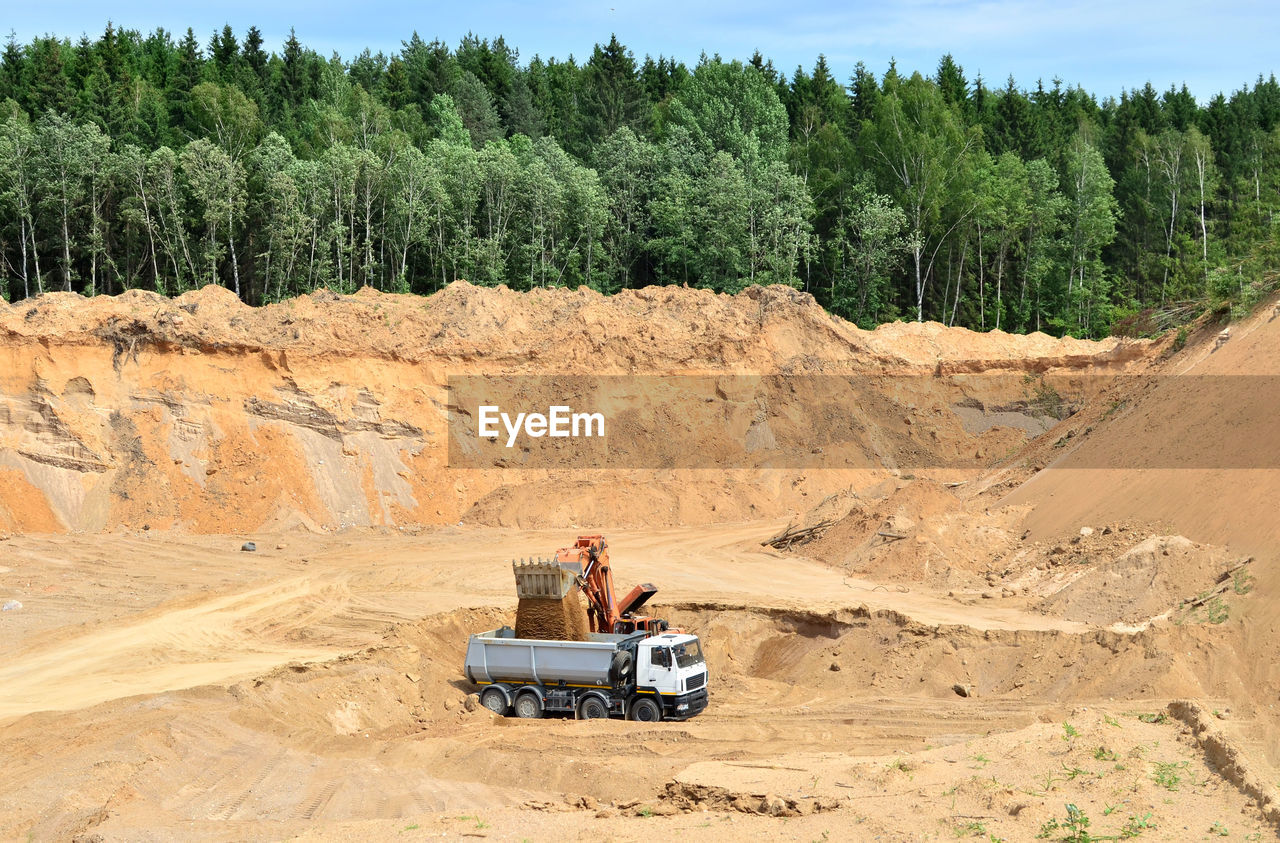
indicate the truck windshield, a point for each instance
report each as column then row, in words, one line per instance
column 688, row 654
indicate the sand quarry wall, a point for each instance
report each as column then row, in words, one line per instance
column 203, row 414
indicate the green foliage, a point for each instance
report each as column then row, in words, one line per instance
column 144, row 161
column 1168, row 774
column 923, row 156
column 1045, row 400
column 1135, row 825
column 1073, row 827
column 1216, row 610
column 972, row 828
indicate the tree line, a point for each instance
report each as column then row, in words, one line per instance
column 139, row 161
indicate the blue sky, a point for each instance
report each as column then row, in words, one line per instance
column 1104, row 45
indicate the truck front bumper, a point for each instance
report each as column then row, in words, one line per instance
column 684, row 706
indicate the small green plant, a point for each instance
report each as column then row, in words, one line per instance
column 1167, row 774
column 1075, row 824
column 1045, row 400
column 1109, row 809
column 1069, row 732
column 1180, row 340
column 646, row 812
column 1159, row 718
column 981, row 760
column 1103, row 754
column 973, row 828
column 1110, row 721
column 1216, row 610
column 1219, row 829
column 411, row 827
column 1050, row 781
column 1242, row 581
column 1136, row 825
column 1074, row 773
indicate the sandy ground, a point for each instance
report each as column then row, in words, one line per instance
column 313, row 688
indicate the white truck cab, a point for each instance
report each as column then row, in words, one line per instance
column 672, row 667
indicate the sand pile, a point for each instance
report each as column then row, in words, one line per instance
column 920, row 531
column 553, row 620
column 206, row 415
column 761, row 329
column 1148, row 580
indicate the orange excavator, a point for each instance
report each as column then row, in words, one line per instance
column 586, row 562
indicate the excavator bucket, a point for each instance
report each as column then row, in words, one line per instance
column 544, row 579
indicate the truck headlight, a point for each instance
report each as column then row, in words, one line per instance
column 682, row 707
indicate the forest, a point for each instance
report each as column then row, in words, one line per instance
column 140, row 161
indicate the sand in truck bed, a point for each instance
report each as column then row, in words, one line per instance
column 559, row 620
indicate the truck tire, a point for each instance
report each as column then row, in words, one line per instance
column 592, row 708
column 494, row 700
column 620, row 667
column 528, row 707
column 645, row 710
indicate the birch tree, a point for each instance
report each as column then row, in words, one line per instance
column 923, row 153
column 18, row 194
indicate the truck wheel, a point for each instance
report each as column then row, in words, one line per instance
column 592, row 708
column 494, row 700
column 646, row 711
column 527, row 707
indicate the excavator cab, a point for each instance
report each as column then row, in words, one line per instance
column 629, row 621
column 652, row 626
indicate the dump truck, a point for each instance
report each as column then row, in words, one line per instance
column 638, row 676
